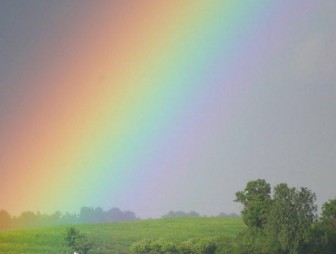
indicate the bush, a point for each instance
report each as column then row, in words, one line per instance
column 153, row 246
column 224, row 245
column 252, row 241
column 77, row 241
column 197, row 246
column 163, row 247
column 194, row 246
column 141, row 247
column 186, row 247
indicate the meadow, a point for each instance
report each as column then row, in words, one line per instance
column 117, row 237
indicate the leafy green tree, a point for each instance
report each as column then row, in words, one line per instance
column 329, row 213
column 256, row 200
column 325, row 230
column 290, row 219
column 252, row 241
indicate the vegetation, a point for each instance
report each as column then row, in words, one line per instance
column 282, row 221
column 86, row 215
column 285, row 223
column 117, row 237
column 77, row 241
column 256, row 199
column 181, row 214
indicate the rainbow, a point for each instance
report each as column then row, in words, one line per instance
column 120, row 96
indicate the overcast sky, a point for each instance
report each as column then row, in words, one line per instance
column 281, row 128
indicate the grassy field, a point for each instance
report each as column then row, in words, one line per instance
column 116, row 237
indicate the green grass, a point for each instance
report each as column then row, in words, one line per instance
column 117, row 237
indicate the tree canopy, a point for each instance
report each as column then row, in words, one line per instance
column 256, row 199
column 282, row 222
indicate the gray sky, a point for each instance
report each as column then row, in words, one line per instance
column 281, row 128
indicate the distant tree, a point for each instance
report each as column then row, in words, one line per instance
column 98, row 215
column 115, row 214
column 290, row 219
column 230, row 215
column 181, row 214
column 68, row 218
column 27, row 219
column 256, row 200
column 222, row 215
column 5, row 219
column 233, row 215
column 128, row 215
column 193, row 214
column 86, row 214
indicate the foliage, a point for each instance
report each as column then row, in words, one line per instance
column 282, row 223
column 329, row 213
column 290, row 218
column 5, row 219
column 30, row 219
column 141, row 247
column 77, row 241
column 324, row 231
column 251, row 241
column 197, row 246
column 159, row 246
column 256, row 200
column 279, row 224
column 181, row 214
column 224, row 244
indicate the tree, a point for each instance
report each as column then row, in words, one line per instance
column 256, row 200
column 27, row 219
column 5, row 219
column 77, row 241
column 329, row 213
column 290, row 219
column 86, row 214
column 325, row 229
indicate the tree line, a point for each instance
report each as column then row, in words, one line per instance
column 282, row 221
column 285, row 221
column 193, row 214
column 86, row 215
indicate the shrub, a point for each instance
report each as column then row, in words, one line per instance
column 153, row 246
column 186, row 247
column 77, row 241
column 163, row 247
column 224, row 245
column 197, row 246
column 141, row 247
column 194, row 246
